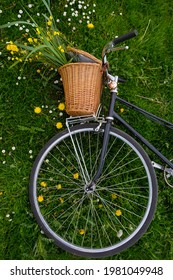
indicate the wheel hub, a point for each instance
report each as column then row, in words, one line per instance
column 90, row 188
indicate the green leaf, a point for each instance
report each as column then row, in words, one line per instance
column 31, row 129
column 9, row 24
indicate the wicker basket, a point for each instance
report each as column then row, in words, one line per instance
column 82, row 82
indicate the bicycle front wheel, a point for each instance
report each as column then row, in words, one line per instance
column 113, row 216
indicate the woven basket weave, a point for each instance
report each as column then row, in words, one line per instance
column 82, row 82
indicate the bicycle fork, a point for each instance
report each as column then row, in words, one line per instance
column 92, row 185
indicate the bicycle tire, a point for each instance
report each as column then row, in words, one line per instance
column 121, row 207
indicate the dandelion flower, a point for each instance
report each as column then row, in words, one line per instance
column 118, row 212
column 82, row 231
column 30, row 40
column 122, row 110
column 12, row 47
column 61, row 106
column 38, row 70
column 37, row 110
column 43, row 184
column 113, row 195
column 90, row 25
column 76, row 175
column 59, row 187
column 40, row 198
column 49, row 23
column 59, row 125
column 56, row 33
column 38, row 31
column 61, row 200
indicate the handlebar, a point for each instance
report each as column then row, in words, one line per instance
column 110, row 46
column 124, row 37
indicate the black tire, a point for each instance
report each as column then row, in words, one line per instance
column 116, row 214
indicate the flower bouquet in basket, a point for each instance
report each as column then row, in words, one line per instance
column 81, row 72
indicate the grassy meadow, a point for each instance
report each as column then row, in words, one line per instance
column 148, row 67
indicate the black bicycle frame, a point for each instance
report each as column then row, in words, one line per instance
column 113, row 115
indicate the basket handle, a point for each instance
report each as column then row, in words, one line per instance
column 84, row 56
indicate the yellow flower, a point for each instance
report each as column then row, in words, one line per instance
column 118, row 212
column 38, row 31
column 51, row 17
column 56, row 33
column 40, row 198
column 59, row 125
column 30, row 40
column 12, row 47
column 90, row 25
column 38, row 70
column 100, row 205
column 76, row 175
column 81, row 231
column 61, row 49
column 35, row 40
column 121, row 110
column 43, row 184
column 59, row 187
column 49, row 23
column 61, row 200
column 61, row 106
column 1, row 193
column 37, row 110
column 48, row 33
column 113, row 195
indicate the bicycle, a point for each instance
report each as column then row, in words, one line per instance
column 93, row 188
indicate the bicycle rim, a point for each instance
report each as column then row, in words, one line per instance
column 115, row 214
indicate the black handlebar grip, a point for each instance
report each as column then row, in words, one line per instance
column 125, row 37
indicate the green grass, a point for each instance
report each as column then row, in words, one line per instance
column 148, row 67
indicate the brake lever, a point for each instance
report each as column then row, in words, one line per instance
column 111, row 49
